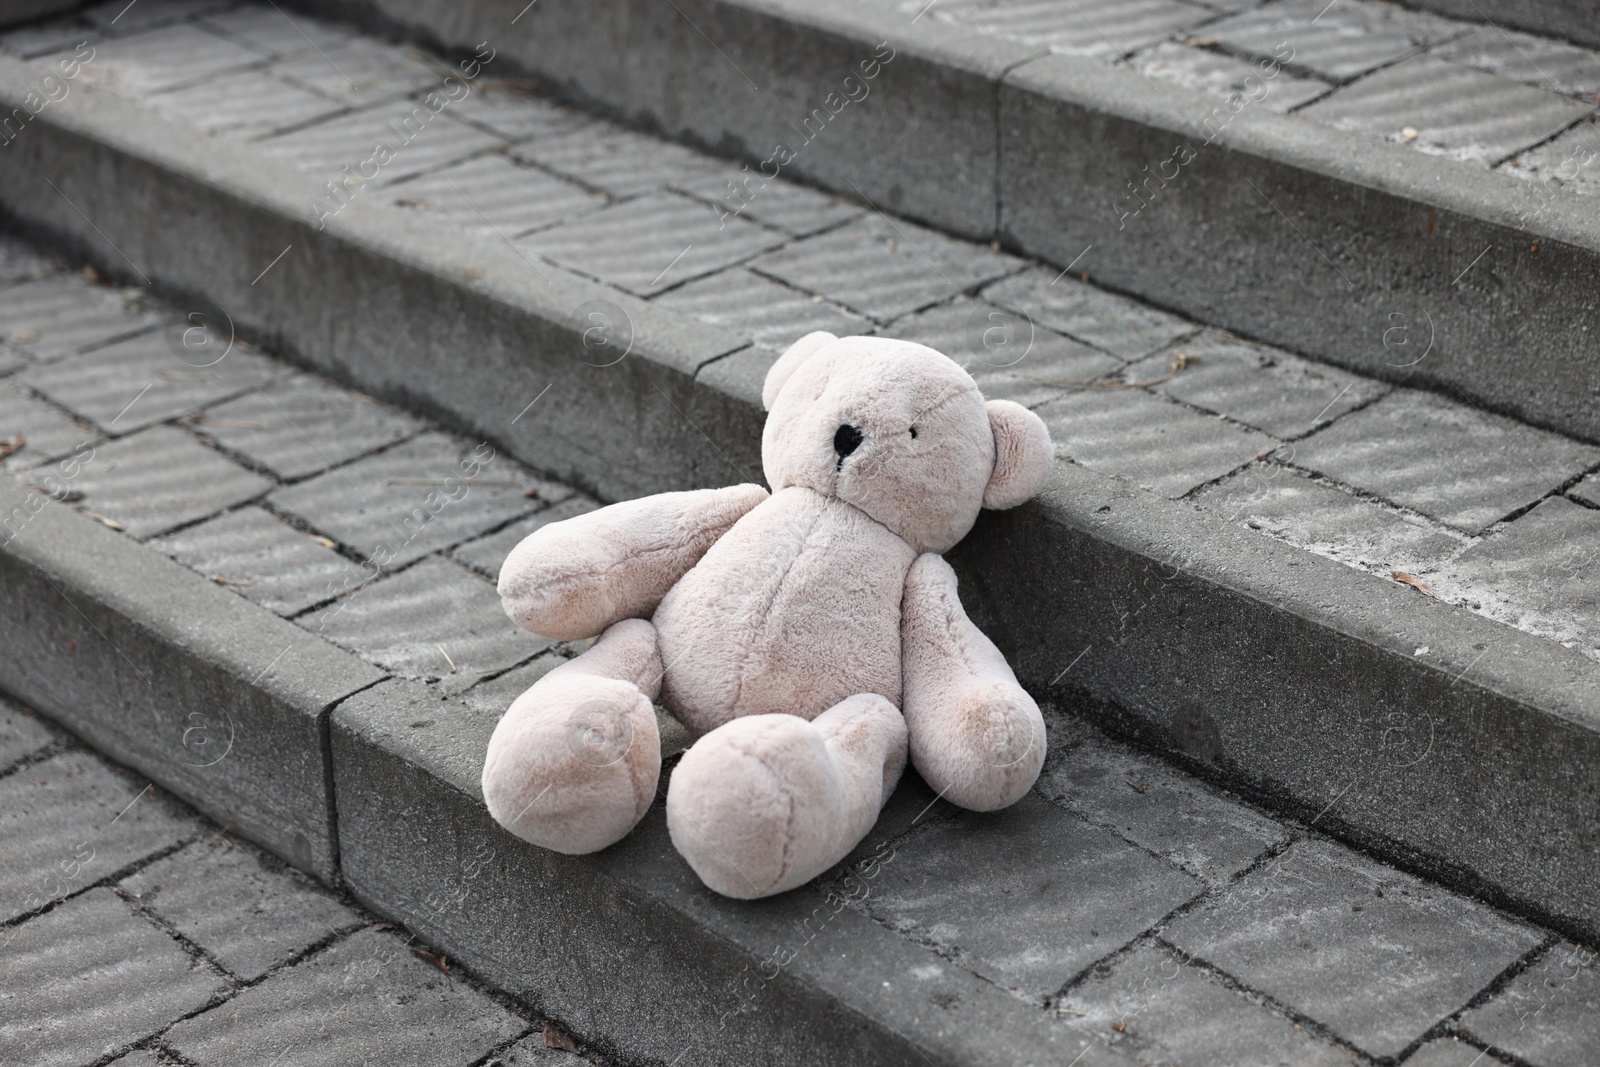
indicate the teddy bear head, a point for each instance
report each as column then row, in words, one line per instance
column 899, row 431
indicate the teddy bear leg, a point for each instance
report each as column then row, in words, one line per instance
column 573, row 764
column 767, row 802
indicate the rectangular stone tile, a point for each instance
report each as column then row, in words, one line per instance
column 415, row 498
column 1449, row 1052
column 160, row 478
column 1376, row 955
column 1114, row 323
column 274, row 32
column 1587, row 491
column 1571, row 161
column 436, row 620
column 494, row 696
column 131, row 384
column 57, row 316
column 264, row 559
column 44, row 430
column 531, row 1051
column 44, row 38
column 304, row 424
column 246, row 105
column 1154, row 1007
column 1549, row 1014
column 518, row 115
column 1541, row 573
column 1326, row 520
column 1026, row 897
column 1258, row 385
column 1101, row 29
column 1549, row 64
column 1155, row 806
column 91, row 977
column 772, row 315
column 493, row 195
column 163, row 59
column 248, row 910
column 1239, row 81
column 885, row 269
column 22, row 733
column 359, row 72
column 1152, row 442
column 1448, row 110
column 651, row 244
column 1347, row 39
column 380, row 146
column 986, row 339
column 368, row 999
column 487, row 553
column 616, row 161
column 123, row 19
column 795, row 209
column 1450, row 461
column 72, row 820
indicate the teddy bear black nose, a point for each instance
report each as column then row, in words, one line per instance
column 846, row 440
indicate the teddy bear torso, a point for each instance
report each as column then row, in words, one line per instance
column 793, row 609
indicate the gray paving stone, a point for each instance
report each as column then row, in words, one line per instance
column 1449, row 1052
column 614, row 160
column 141, row 1057
column 1570, row 162
column 367, row 1000
column 124, row 19
column 359, row 72
column 21, row 262
column 494, row 696
column 416, row 498
column 1229, row 77
column 1156, row 807
column 1027, row 897
column 70, row 821
column 91, row 977
column 1455, row 111
column 1376, row 955
column 1540, row 574
column 1154, row 443
column 433, row 620
column 989, row 340
column 885, row 269
column 22, row 733
column 772, row 315
column 160, row 478
column 1155, row 1008
column 1348, row 39
column 345, row 149
column 651, row 244
column 493, row 195
column 1257, row 385
column 518, row 115
column 1447, row 460
column 163, row 59
column 264, row 559
column 273, row 32
column 54, row 317
column 1549, row 1015
column 1102, row 29
column 487, row 553
column 1523, row 57
column 304, row 424
column 1121, row 326
column 1587, row 490
column 45, row 431
column 131, row 384
column 1328, row 521
column 44, row 38
column 246, row 105
column 532, row 1052
column 247, row 910
column 790, row 207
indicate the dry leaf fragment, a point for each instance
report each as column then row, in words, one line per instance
column 1413, row 581
column 15, row 444
column 1408, row 135
column 436, row 958
column 1138, row 787
column 325, row 542
column 1202, row 42
column 1119, row 1027
column 554, row 1038
column 113, row 523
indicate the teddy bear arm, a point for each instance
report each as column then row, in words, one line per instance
column 574, row 579
column 975, row 734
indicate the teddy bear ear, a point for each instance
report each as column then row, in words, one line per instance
column 789, row 362
column 1022, row 454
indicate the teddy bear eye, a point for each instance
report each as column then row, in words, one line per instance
column 913, row 433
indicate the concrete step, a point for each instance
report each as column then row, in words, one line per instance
column 1397, row 192
column 1125, row 912
column 1345, row 600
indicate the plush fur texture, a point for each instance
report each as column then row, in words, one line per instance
column 813, row 638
